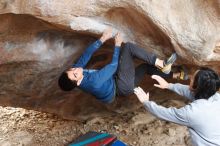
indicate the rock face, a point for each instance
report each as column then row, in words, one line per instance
column 39, row 39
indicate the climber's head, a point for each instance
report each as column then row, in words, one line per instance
column 70, row 78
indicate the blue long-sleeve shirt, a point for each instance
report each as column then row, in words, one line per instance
column 100, row 83
column 201, row 116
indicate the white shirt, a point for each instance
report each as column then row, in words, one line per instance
column 202, row 116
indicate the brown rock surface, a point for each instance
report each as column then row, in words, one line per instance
column 39, row 39
column 31, row 128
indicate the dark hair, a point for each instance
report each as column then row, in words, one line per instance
column 65, row 83
column 206, row 83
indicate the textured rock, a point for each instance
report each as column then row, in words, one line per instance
column 189, row 27
column 42, row 38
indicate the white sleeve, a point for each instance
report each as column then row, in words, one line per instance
column 178, row 116
column 182, row 90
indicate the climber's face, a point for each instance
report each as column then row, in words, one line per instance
column 75, row 74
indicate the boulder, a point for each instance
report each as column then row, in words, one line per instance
column 39, row 39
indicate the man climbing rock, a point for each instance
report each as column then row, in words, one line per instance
column 119, row 77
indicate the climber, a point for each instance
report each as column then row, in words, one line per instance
column 118, row 77
column 201, row 116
